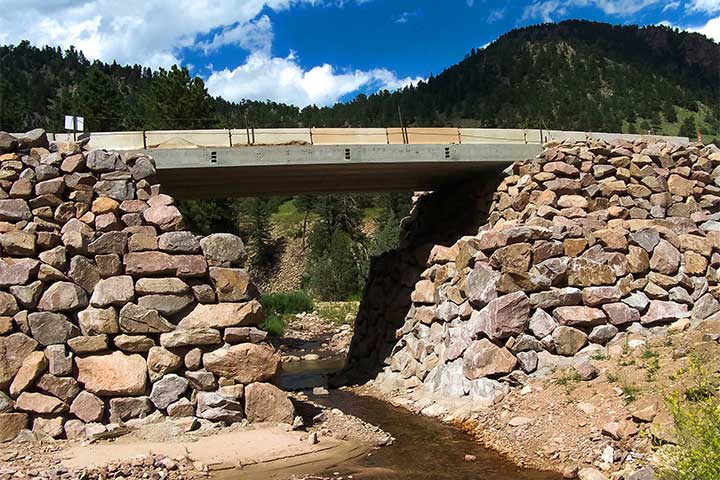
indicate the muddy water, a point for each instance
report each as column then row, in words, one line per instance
column 424, row 448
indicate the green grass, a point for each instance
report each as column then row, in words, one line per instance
column 696, row 417
column 290, row 220
column 568, row 378
column 280, row 306
column 630, row 392
column 287, row 302
column 672, row 128
column 274, row 325
column 337, row 312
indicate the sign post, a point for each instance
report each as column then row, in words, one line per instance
column 74, row 124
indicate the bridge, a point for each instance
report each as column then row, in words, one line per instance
column 247, row 162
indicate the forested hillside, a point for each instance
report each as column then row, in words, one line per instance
column 574, row 75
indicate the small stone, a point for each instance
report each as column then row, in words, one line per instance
column 586, row 371
column 665, row 258
column 161, row 361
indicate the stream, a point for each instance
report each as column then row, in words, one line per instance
column 424, row 448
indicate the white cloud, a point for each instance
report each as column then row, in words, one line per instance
column 711, row 29
column 405, row 17
column 547, row 10
column 496, row 15
column 706, row 6
column 263, row 77
column 154, row 33
column 256, row 35
column 671, row 6
column 150, row 32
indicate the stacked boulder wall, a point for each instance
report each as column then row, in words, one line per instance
column 586, row 243
column 109, row 309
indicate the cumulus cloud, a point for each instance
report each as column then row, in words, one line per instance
column 263, row 77
column 155, row 33
column 706, row 6
column 150, row 32
column 548, row 10
column 711, row 29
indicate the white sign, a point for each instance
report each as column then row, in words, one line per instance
column 74, row 123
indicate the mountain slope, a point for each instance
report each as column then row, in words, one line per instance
column 572, row 75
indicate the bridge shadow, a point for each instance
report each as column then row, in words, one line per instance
column 438, row 218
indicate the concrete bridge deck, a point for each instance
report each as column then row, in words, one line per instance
column 248, row 162
column 275, row 170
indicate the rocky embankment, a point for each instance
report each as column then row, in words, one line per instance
column 589, row 248
column 109, row 310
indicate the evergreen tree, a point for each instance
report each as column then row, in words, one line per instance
column 669, row 113
column 688, row 128
column 175, row 100
column 98, row 99
column 260, row 237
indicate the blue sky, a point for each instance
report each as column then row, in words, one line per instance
column 313, row 51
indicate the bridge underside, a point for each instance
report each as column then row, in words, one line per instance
column 277, row 170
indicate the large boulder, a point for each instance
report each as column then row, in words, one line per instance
column 215, row 407
column 114, row 374
column 503, row 317
column 63, row 297
column 267, row 403
column 485, row 359
column 168, row 390
column 113, row 291
column 223, row 248
column 11, row 424
column 51, row 328
column 223, row 315
column 245, row 363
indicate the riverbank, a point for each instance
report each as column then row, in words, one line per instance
column 188, row 448
column 610, row 417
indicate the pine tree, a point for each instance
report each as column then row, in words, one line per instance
column 688, row 128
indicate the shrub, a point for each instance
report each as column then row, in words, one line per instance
column 287, row 303
column 274, row 324
column 696, row 416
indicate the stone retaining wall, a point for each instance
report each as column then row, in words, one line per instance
column 584, row 244
column 110, row 310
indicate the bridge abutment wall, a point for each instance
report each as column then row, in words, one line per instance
column 581, row 250
column 113, row 313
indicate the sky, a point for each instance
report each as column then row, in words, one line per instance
column 306, row 52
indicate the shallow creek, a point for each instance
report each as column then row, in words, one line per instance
column 424, row 448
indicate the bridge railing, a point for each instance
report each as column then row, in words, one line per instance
column 218, row 138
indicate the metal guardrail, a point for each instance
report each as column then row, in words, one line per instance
column 192, row 139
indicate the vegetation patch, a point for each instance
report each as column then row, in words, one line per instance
column 696, row 415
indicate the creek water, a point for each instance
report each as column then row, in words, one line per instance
column 424, row 448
